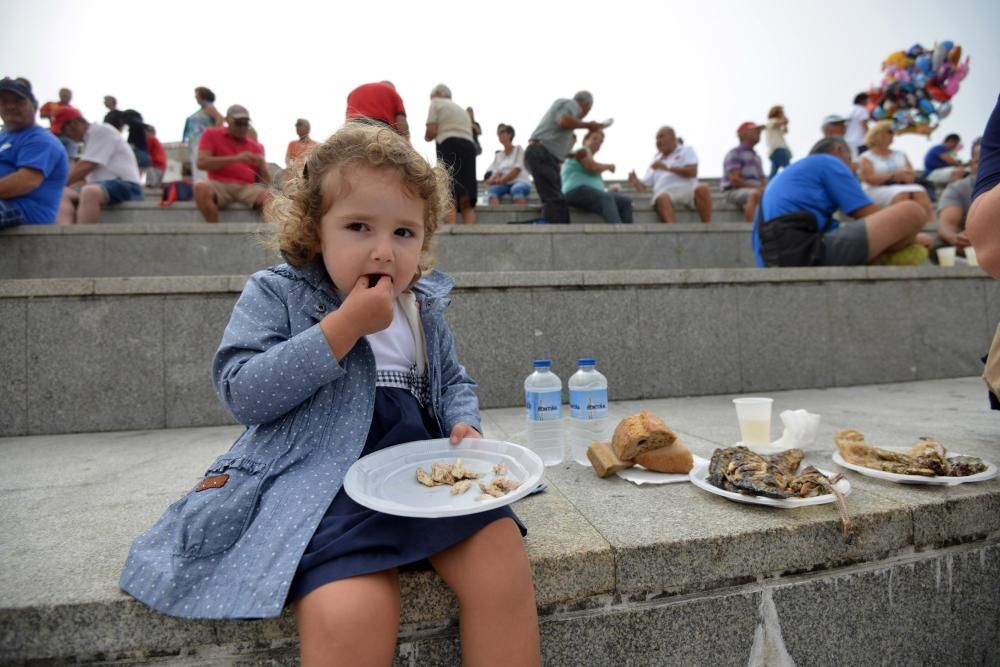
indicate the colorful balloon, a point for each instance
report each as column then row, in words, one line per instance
column 943, row 110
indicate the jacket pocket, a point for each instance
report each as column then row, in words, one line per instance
column 217, row 511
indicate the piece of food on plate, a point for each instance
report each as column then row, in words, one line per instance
column 741, row 470
column 499, row 469
column 499, row 486
column 640, row 433
column 675, row 458
column 446, row 474
column 927, row 458
column 460, row 486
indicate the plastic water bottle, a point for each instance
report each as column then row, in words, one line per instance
column 588, row 409
column 543, row 404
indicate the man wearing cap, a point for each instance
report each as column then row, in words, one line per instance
column 378, row 102
column 237, row 170
column 834, row 126
column 33, row 164
column 550, row 144
column 106, row 173
column 742, row 172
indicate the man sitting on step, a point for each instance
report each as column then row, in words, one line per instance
column 106, row 173
column 33, row 164
column 742, row 173
column 673, row 178
column 808, row 193
column 237, row 170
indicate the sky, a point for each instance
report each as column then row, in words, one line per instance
column 701, row 67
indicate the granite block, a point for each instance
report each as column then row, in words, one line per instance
column 690, row 540
column 494, row 252
column 945, row 340
column 606, row 250
column 61, row 255
column 785, row 336
column 13, row 367
column 873, row 340
column 193, row 327
column 494, row 338
column 690, row 341
column 102, row 362
column 597, row 323
column 875, row 615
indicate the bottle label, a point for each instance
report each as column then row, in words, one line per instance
column 588, row 403
column 543, row 406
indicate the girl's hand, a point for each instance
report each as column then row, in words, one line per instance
column 462, row 430
column 369, row 308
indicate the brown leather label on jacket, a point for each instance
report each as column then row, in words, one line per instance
column 213, row 482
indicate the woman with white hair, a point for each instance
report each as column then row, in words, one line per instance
column 886, row 174
column 451, row 127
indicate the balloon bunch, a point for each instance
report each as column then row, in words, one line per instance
column 917, row 87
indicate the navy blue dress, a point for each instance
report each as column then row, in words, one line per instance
column 352, row 540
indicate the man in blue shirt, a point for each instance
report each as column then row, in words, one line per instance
column 33, row 164
column 823, row 183
column 942, row 164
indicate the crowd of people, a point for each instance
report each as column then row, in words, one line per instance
column 104, row 163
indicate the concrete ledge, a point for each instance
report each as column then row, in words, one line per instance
column 641, row 575
column 129, row 353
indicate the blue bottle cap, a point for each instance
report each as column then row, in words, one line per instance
column 543, row 363
column 586, row 361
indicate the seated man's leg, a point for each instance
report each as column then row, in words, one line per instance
column 624, row 205
column 10, row 215
column 520, row 190
column 67, row 207
column 920, row 197
column 664, row 208
column 703, row 202
column 92, row 197
column 205, row 198
column 894, row 227
column 588, row 199
column 753, row 196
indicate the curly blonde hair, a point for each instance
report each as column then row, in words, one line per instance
column 296, row 213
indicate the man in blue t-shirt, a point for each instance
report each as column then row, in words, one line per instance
column 823, row 183
column 942, row 164
column 33, row 164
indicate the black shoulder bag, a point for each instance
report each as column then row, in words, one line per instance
column 792, row 239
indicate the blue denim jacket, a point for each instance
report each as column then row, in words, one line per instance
column 231, row 550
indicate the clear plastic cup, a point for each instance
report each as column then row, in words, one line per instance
column 754, row 415
column 946, row 256
column 970, row 256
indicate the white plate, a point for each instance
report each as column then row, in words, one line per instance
column 386, row 480
column 699, row 477
column 639, row 475
column 989, row 473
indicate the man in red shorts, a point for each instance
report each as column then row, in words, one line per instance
column 237, row 170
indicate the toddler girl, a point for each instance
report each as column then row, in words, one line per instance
column 340, row 352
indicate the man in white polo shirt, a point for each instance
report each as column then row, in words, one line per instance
column 673, row 178
column 105, row 174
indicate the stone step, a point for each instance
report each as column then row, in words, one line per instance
column 624, row 574
column 149, row 211
column 179, row 249
column 106, row 354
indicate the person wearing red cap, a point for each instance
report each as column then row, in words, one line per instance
column 33, row 165
column 234, row 161
column 742, row 172
column 106, row 173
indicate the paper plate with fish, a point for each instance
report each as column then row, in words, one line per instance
column 744, row 476
column 926, row 462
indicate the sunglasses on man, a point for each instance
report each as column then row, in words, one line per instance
column 241, row 122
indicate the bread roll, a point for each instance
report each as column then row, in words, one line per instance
column 673, row 458
column 603, row 458
column 640, row 433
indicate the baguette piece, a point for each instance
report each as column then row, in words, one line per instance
column 675, row 458
column 602, row 458
column 640, row 433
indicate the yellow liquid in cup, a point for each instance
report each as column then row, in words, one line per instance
column 755, row 431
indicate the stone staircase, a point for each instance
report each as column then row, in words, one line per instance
column 107, row 414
